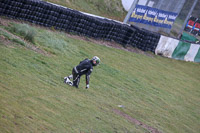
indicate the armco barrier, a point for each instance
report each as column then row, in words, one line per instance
column 176, row 49
column 65, row 19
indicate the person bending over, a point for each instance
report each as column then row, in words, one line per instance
column 85, row 67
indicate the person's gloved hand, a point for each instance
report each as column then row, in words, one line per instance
column 87, row 86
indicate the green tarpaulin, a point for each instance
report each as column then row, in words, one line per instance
column 181, row 50
column 188, row 37
column 197, row 57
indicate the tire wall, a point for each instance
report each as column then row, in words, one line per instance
column 72, row 21
column 176, row 49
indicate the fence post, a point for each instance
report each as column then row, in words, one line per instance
column 130, row 11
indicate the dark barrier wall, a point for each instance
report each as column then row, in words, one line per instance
column 65, row 19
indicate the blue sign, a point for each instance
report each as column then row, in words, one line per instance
column 153, row 16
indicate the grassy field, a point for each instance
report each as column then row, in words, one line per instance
column 159, row 92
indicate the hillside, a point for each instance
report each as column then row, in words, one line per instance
column 154, row 93
column 112, row 9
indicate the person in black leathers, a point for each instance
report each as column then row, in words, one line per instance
column 85, row 67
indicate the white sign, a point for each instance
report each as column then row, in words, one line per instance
column 142, row 2
column 150, row 4
column 127, row 3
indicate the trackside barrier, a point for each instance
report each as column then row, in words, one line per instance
column 72, row 21
column 176, row 49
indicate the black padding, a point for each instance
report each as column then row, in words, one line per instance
column 50, row 15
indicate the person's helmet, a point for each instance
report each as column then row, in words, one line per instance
column 95, row 58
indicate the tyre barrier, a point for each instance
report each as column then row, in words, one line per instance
column 72, row 21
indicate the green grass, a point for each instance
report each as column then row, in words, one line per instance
column 24, row 30
column 160, row 92
column 11, row 38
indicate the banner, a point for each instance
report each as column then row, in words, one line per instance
column 153, row 16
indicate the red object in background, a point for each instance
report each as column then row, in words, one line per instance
column 197, row 25
column 190, row 24
column 196, row 28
